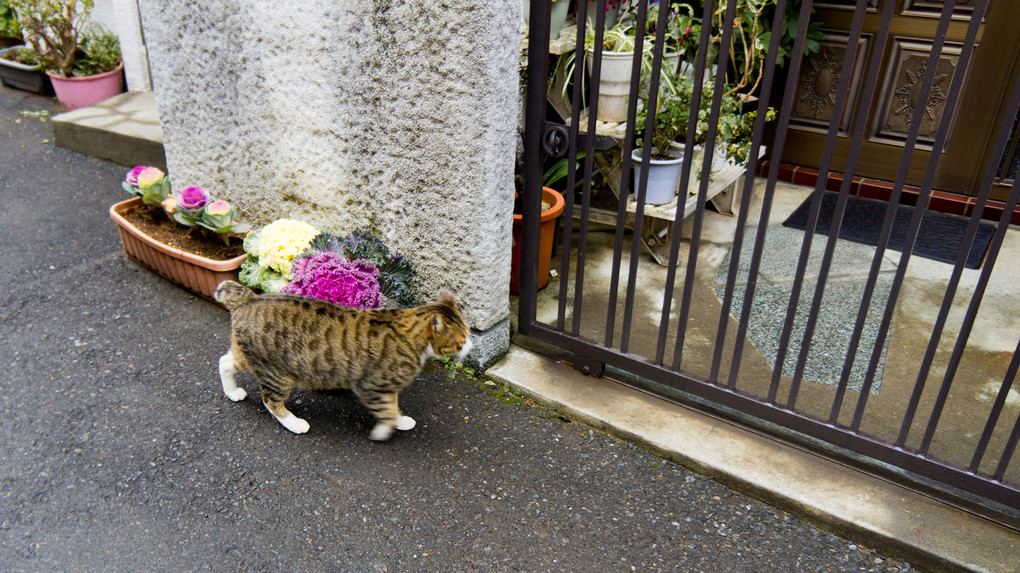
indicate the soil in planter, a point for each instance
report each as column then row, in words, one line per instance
column 16, row 57
column 519, row 205
column 195, row 240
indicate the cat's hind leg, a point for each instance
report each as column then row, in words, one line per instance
column 229, row 367
column 274, row 394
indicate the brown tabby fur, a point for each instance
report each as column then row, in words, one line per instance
column 290, row 340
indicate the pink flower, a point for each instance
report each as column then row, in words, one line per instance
column 148, row 177
column 132, row 176
column 193, row 198
column 218, row 207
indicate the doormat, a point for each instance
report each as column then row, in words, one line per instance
column 938, row 239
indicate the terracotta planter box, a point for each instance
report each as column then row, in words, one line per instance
column 196, row 274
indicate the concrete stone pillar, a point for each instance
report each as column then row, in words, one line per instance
column 397, row 117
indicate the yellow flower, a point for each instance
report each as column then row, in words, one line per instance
column 281, row 241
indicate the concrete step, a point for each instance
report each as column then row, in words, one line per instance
column 124, row 129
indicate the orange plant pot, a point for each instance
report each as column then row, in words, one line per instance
column 192, row 272
column 545, row 244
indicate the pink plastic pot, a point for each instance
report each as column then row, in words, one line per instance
column 74, row 93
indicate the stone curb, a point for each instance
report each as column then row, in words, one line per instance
column 852, row 504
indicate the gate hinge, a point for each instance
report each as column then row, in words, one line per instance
column 556, row 139
column 589, row 366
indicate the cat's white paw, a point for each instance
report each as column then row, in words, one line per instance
column 294, row 424
column 227, row 370
column 381, row 432
column 405, row 423
column 236, row 394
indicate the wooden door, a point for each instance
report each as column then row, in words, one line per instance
column 903, row 60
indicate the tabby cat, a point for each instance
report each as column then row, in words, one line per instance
column 291, row 340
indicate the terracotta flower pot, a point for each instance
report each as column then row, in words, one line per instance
column 545, row 244
column 74, row 93
column 192, row 272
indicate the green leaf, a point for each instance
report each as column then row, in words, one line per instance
column 559, row 170
column 251, row 244
column 184, row 218
column 152, row 198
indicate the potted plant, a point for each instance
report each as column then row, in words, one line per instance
column 750, row 40
column 618, row 43
column 552, row 208
column 665, row 162
column 613, row 9
column 21, row 69
column 732, row 143
column 557, row 17
column 190, row 239
column 84, row 67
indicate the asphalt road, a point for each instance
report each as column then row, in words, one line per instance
column 120, row 453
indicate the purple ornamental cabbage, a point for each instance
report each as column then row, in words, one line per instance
column 132, row 176
column 329, row 276
column 193, row 199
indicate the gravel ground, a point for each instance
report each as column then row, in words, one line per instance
column 120, row 452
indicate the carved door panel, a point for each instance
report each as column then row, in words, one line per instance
column 903, row 59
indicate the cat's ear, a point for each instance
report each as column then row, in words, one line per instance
column 438, row 325
column 449, row 297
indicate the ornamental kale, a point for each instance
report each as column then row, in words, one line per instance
column 331, row 277
column 194, row 207
column 193, row 199
column 271, row 253
column 149, row 183
column 396, row 278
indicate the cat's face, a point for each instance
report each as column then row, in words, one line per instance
column 451, row 336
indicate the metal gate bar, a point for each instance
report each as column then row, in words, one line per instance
column 786, row 109
column 738, row 240
column 837, row 216
column 646, row 157
column 685, row 178
column 692, row 259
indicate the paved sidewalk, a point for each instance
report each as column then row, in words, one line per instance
column 120, row 453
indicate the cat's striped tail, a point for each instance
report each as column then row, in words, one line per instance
column 232, row 294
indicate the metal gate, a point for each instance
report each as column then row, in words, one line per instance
column 854, row 338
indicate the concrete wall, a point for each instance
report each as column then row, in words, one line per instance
column 121, row 17
column 393, row 116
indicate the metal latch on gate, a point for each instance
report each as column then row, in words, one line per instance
column 556, row 139
column 589, row 366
